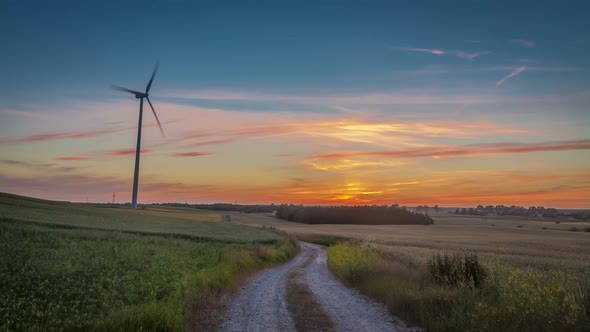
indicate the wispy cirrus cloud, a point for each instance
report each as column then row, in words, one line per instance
column 512, row 74
column 351, row 130
column 475, row 149
column 72, row 158
column 214, row 142
column 523, row 42
column 28, row 114
column 556, row 69
column 44, row 167
column 189, row 154
column 125, row 152
column 459, row 54
column 467, row 55
column 426, row 50
column 377, row 98
column 63, row 135
column 437, row 70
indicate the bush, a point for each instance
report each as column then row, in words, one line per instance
column 459, row 269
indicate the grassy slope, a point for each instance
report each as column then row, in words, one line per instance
column 191, row 223
column 80, row 277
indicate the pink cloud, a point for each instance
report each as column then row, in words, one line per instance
column 189, row 154
column 72, row 158
column 214, row 142
column 64, row 135
column 130, row 152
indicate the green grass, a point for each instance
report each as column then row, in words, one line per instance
column 158, row 220
column 510, row 299
column 59, row 271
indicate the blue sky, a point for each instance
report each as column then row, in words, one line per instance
column 522, row 67
column 330, row 46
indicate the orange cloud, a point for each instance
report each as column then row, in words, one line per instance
column 475, row 149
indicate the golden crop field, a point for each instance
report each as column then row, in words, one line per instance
column 509, row 240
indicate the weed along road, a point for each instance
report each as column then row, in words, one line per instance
column 263, row 304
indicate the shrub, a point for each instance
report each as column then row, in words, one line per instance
column 458, row 269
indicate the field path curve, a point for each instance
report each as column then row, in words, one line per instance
column 262, row 304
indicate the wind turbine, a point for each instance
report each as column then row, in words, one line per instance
column 140, row 96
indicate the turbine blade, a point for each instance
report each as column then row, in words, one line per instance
column 120, row 88
column 149, row 85
column 157, row 120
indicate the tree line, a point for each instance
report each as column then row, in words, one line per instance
column 514, row 210
column 228, row 207
column 361, row 215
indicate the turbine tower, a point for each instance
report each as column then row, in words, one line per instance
column 141, row 96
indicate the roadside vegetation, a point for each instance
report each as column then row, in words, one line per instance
column 360, row 215
column 454, row 291
column 59, row 276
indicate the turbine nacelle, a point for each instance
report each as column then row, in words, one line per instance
column 137, row 94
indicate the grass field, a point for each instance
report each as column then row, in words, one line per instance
column 70, row 266
column 153, row 219
column 537, row 270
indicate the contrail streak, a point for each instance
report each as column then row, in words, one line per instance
column 512, row 74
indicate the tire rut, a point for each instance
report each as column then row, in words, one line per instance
column 262, row 304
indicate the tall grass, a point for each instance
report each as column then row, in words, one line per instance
column 508, row 300
column 353, row 261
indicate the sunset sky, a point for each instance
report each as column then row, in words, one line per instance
column 323, row 102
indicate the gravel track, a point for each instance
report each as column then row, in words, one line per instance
column 348, row 309
column 262, row 306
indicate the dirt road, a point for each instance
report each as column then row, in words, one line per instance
column 262, row 305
